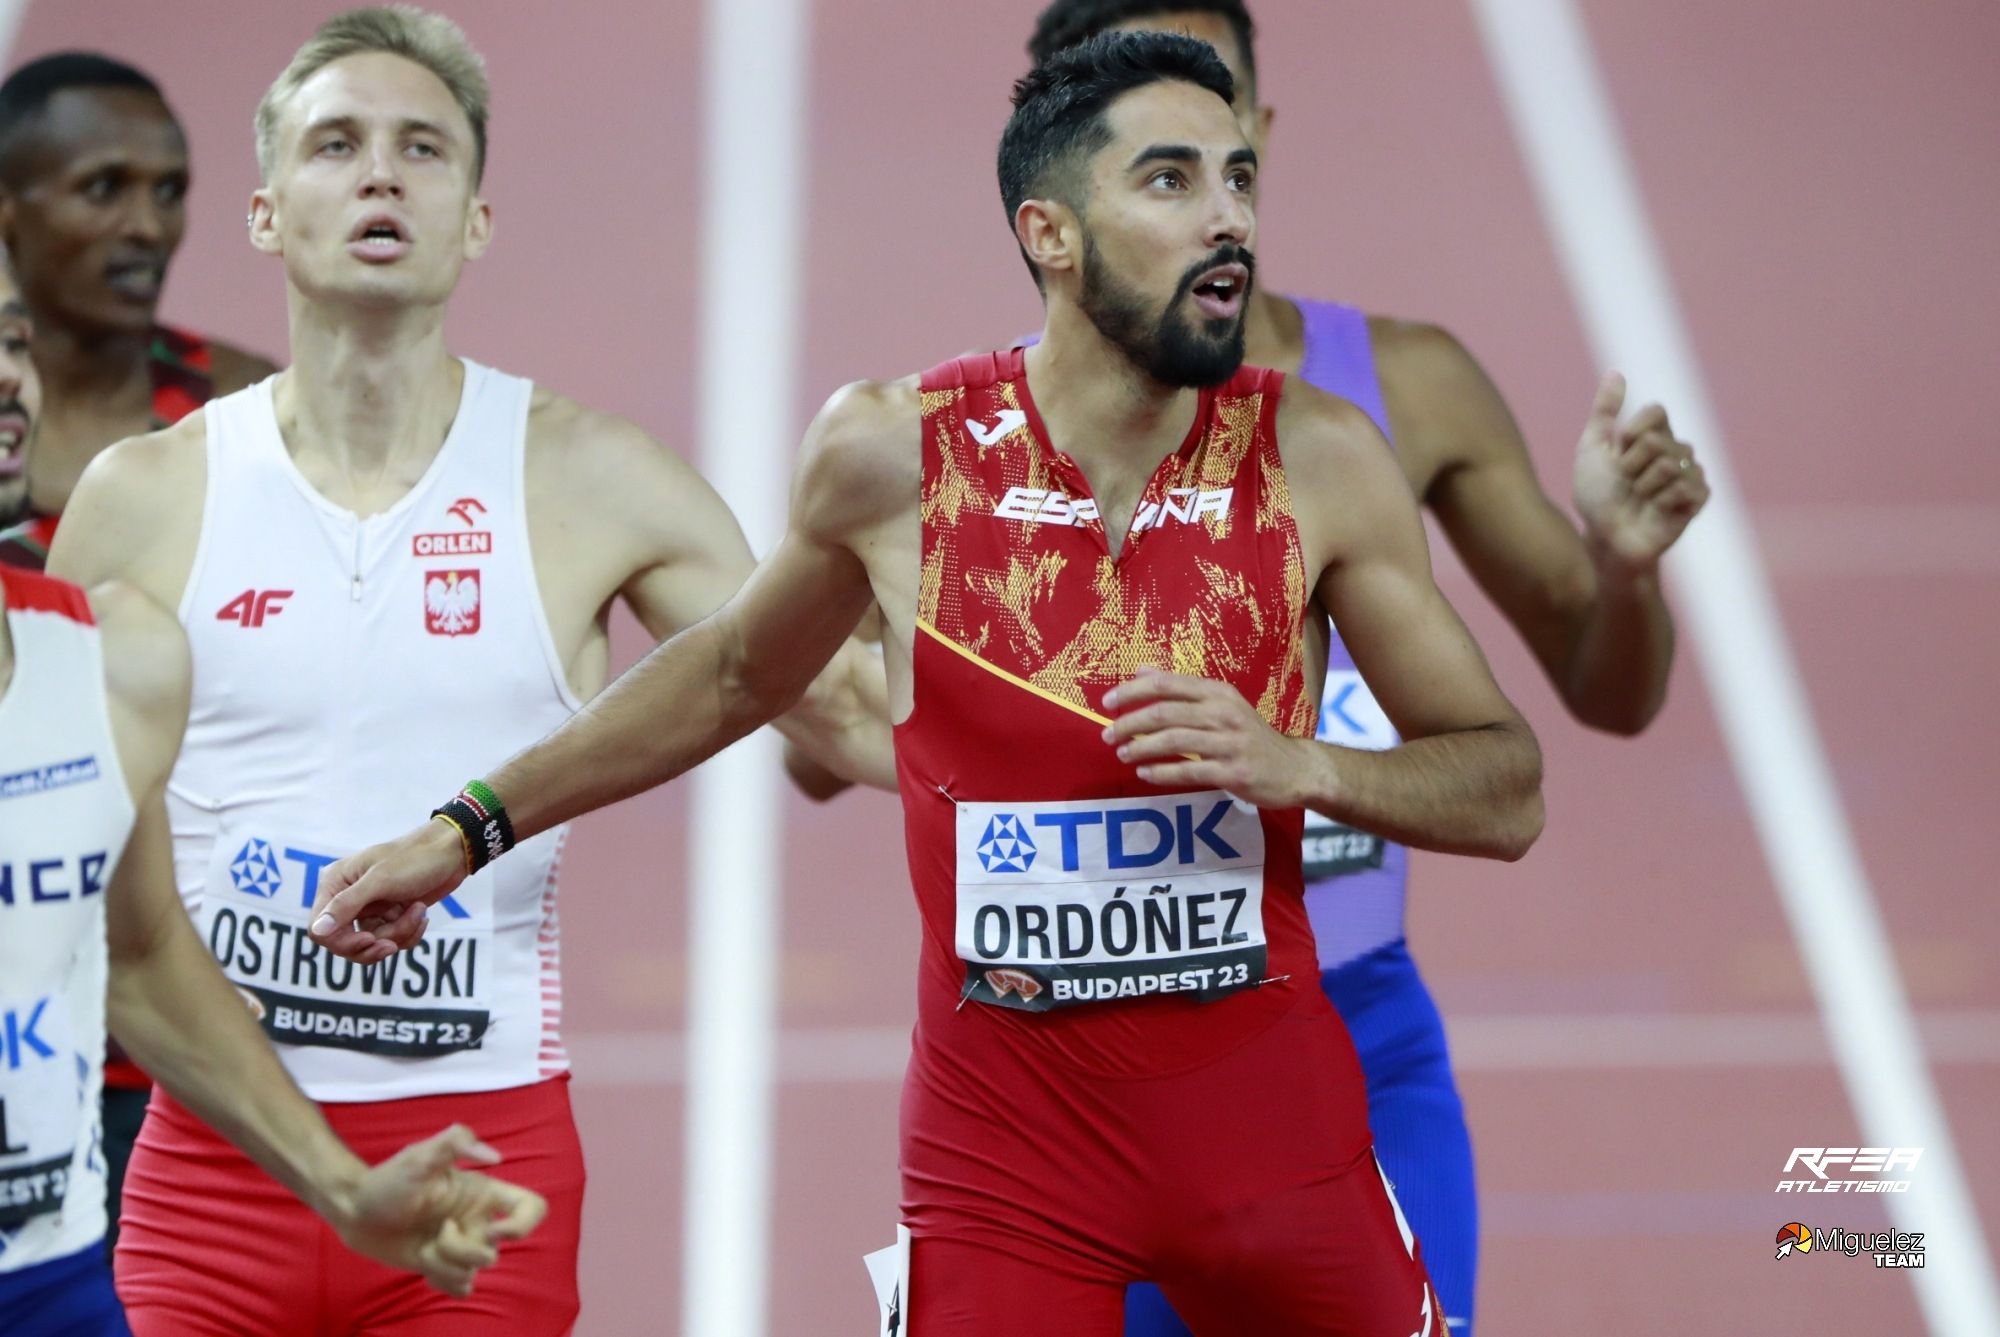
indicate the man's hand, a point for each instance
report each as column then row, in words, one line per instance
column 1636, row 487
column 372, row 905
column 420, row 1212
column 1186, row 733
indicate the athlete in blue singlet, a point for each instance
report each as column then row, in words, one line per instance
column 1587, row 602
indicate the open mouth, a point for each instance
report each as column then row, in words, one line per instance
column 13, row 437
column 1219, row 293
column 379, row 238
column 138, row 280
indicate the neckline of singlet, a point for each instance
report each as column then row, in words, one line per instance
column 1038, row 432
column 267, row 411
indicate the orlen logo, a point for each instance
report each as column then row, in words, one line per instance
column 1825, row 1162
column 250, row 608
column 1120, row 838
column 463, row 509
column 477, row 543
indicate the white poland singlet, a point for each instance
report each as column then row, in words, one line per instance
column 65, row 813
column 350, row 675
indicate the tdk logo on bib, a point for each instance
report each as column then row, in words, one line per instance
column 257, row 871
column 1129, row 838
column 1006, row 847
column 1082, row 902
column 254, row 870
column 421, row 1003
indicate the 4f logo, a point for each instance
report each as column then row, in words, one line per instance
column 250, row 608
column 463, row 508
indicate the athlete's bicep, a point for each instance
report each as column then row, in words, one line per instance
column 804, row 599
column 1524, row 552
column 793, row 614
column 694, row 570
column 147, row 680
column 1411, row 647
column 1518, row 544
column 677, row 551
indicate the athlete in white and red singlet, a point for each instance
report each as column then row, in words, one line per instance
column 1104, row 571
column 390, row 563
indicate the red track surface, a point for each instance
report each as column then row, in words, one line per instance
column 1822, row 176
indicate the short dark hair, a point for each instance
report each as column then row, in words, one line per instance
column 1067, row 22
column 1060, row 106
column 24, row 97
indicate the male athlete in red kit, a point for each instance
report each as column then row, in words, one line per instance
column 1105, row 565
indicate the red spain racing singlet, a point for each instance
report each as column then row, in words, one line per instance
column 1126, row 928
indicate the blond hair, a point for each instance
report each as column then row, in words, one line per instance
column 419, row 36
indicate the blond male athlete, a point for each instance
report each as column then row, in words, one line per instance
column 392, row 564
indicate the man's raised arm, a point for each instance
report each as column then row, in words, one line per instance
column 700, row 691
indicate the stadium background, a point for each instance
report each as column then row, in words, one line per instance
column 1637, row 1041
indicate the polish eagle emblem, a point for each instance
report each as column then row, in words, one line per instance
column 451, row 603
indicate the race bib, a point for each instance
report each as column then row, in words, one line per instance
column 42, row 1114
column 1349, row 716
column 420, row 1003
column 889, row 1273
column 1329, row 849
column 1067, row 903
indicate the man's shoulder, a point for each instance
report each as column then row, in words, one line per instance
column 860, row 464
column 151, row 458
column 869, row 428
column 869, row 415
column 131, row 494
column 591, row 450
column 1335, row 458
column 1420, row 358
column 1311, row 420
